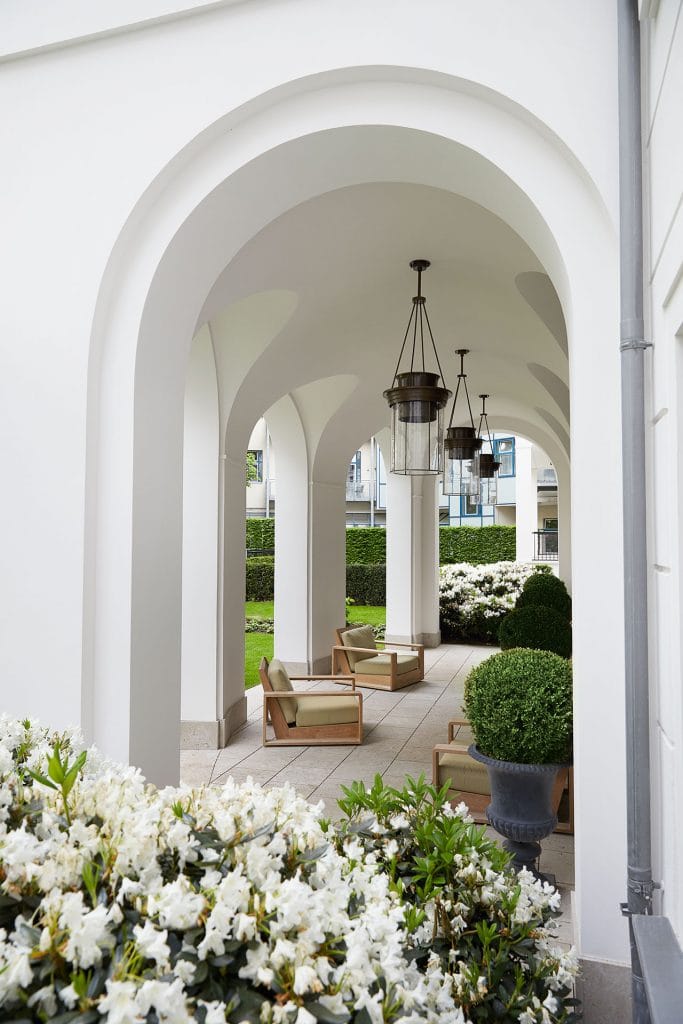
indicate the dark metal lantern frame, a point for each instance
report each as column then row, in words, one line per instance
column 416, row 398
column 462, row 446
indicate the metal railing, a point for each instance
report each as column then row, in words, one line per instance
column 545, row 546
column 546, row 477
column 358, row 490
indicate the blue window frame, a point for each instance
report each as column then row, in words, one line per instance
column 469, row 508
column 504, row 451
column 354, row 469
column 258, row 462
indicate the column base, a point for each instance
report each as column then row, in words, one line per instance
column 213, row 735
column 604, row 989
column 427, row 639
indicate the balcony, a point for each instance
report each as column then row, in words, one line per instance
column 545, row 546
column 358, row 490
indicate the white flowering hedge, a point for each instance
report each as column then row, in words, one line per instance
column 125, row 903
column 473, row 599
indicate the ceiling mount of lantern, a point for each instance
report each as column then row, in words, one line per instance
column 488, row 466
column 462, row 446
column 416, row 397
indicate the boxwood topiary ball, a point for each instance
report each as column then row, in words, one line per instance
column 547, row 590
column 542, row 629
column 519, row 705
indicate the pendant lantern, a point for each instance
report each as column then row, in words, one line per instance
column 462, row 447
column 488, row 467
column 416, row 398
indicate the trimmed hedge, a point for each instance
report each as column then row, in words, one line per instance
column 260, row 579
column 366, row 545
column 260, row 533
column 478, row 545
column 519, row 705
column 542, row 629
column 366, row 584
column 548, row 591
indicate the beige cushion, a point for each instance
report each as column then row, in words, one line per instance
column 380, row 665
column 281, row 683
column 463, row 774
column 327, row 710
column 361, row 636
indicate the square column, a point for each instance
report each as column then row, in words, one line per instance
column 413, row 560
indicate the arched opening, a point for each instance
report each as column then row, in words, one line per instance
column 181, row 261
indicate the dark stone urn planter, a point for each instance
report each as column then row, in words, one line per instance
column 521, row 807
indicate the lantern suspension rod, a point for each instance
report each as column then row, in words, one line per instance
column 419, row 311
column 485, row 419
column 462, row 376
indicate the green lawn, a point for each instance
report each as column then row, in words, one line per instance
column 260, row 645
column 257, row 646
column 375, row 615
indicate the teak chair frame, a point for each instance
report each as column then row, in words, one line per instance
column 392, row 680
column 478, row 802
column 349, row 733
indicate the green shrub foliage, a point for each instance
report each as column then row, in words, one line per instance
column 519, row 704
column 260, row 579
column 548, row 591
column 478, row 545
column 366, row 545
column 260, row 533
column 367, row 584
column 534, row 626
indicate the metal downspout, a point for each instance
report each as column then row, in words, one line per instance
column 632, row 349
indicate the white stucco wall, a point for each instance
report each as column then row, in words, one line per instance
column 118, row 225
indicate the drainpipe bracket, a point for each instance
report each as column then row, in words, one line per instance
column 634, row 343
column 642, row 890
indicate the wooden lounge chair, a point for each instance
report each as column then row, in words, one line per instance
column 308, row 717
column 357, row 653
column 470, row 781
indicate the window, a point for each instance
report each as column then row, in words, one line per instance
column 258, row 462
column 504, row 451
column 354, row 469
column 469, row 506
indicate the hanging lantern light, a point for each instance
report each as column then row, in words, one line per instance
column 488, row 467
column 462, row 447
column 416, row 399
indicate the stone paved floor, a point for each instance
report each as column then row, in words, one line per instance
column 400, row 730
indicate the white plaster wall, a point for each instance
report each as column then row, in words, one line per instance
column 200, row 535
column 663, row 87
column 125, row 137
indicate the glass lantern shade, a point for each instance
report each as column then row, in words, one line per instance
column 462, row 462
column 417, row 410
column 488, row 469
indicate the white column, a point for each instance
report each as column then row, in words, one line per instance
column 526, row 499
column 327, row 580
column 412, row 560
column 232, row 702
column 291, row 535
column 200, row 550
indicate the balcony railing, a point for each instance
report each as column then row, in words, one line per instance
column 546, row 477
column 545, row 546
column 358, row 490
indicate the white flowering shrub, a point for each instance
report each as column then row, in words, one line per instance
column 473, row 599
column 489, row 931
column 129, row 904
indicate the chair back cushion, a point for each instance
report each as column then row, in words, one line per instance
column 361, row 636
column 281, row 683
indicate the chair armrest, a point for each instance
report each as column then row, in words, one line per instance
column 356, row 650
column 299, row 694
column 453, row 723
column 311, row 678
column 392, row 643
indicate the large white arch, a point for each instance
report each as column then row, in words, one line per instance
column 186, row 228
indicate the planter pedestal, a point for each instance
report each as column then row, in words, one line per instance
column 521, row 807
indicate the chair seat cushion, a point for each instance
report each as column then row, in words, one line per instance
column 463, row 774
column 327, row 711
column 380, row 665
column 281, row 683
column 361, row 636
